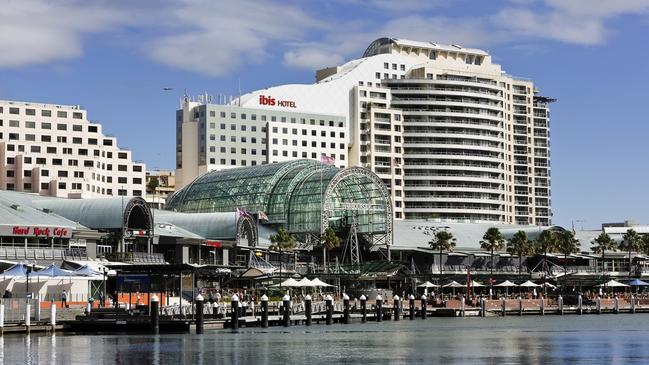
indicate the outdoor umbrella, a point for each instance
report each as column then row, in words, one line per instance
column 548, row 285
column 18, row 270
column 506, row 284
column 289, row 283
column 86, row 270
column 318, row 282
column 613, row 284
column 304, row 282
column 428, row 284
column 53, row 271
column 638, row 282
column 453, row 284
column 475, row 284
column 529, row 284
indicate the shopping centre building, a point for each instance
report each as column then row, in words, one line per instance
column 449, row 132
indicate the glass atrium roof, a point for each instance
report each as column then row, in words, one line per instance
column 305, row 196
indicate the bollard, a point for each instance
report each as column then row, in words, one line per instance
column 307, row 309
column 52, row 314
column 2, row 318
column 520, row 306
column 580, row 307
column 395, row 307
column 560, row 303
column 155, row 314
column 633, row 304
column 411, row 298
column 483, row 307
column 329, row 307
column 504, row 306
column 286, row 305
column 345, row 308
column 264, row 311
column 199, row 314
column 542, row 306
column 424, row 306
column 234, row 313
column 89, row 306
column 599, row 305
column 379, row 308
column 28, row 317
column 462, row 305
column 363, row 309
column 617, row 305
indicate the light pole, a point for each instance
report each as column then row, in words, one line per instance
column 213, row 252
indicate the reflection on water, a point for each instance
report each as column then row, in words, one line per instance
column 528, row 340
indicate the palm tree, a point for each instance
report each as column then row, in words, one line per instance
column 630, row 243
column 442, row 241
column 491, row 241
column 330, row 240
column 546, row 242
column 567, row 244
column 644, row 243
column 604, row 243
column 282, row 240
column 520, row 246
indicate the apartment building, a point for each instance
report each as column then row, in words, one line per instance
column 55, row 150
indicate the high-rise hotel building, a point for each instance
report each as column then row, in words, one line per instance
column 450, row 133
column 55, row 150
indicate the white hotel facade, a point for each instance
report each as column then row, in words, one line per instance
column 55, row 150
column 450, row 133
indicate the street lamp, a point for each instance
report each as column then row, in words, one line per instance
column 213, row 252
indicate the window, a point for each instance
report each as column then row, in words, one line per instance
column 122, row 155
column 40, row 161
column 61, row 127
column 108, row 142
column 122, row 180
column 45, row 172
column 14, row 111
column 27, row 173
column 63, row 173
column 30, row 137
column 386, row 65
column 137, row 168
column 77, row 128
column 61, row 114
column 46, row 113
column 92, row 129
column 121, row 168
column 35, row 149
column 14, row 123
column 378, row 75
column 57, row 161
column 92, row 141
column 11, row 160
column 13, row 136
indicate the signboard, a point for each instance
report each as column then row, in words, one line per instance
column 271, row 101
column 215, row 244
column 35, row 231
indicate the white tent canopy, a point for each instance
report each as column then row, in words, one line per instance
column 428, row 284
column 289, row 283
column 317, row 283
column 613, row 284
column 304, row 282
column 475, row 284
column 529, row 284
column 453, row 284
column 506, row 283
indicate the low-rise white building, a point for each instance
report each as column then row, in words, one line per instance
column 55, row 150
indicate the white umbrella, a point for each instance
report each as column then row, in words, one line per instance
column 304, row 282
column 318, row 282
column 506, row 283
column 613, row 284
column 428, row 284
column 453, row 284
column 290, row 282
column 529, row 284
column 475, row 284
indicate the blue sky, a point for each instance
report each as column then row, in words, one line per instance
column 114, row 58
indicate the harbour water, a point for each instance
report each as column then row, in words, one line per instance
column 620, row 339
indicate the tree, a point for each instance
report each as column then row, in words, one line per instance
column 546, row 242
column 442, row 241
column 519, row 245
column 603, row 243
column 630, row 243
column 282, row 241
column 567, row 244
column 330, row 240
column 644, row 243
column 152, row 184
column 491, row 241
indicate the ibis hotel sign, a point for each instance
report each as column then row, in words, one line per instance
column 271, row 101
column 35, row 231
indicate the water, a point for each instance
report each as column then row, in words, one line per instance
column 620, row 339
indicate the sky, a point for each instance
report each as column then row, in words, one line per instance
column 115, row 57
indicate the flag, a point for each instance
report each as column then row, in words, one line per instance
column 327, row 160
column 262, row 216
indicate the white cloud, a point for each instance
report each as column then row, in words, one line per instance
column 40, row 31
column 311, row 58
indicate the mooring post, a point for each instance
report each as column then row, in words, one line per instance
column 504, row 306
column 200, row 305
column 580, row 308
column 363, row 308
column 286, row 303
column 234, row 313
column 598, row 303
column 52, row 314
column 395, row 307
column 329, row 307
column 379, row 308
column 617, row 305
column 2, row 317
column 520, row 306
column 462, row 305
column 633, row 304
column 155, row 314
column 424, row 306
column 483, row 307
column 560, row 303
column 28, row 317
column 542, row 305
column 308, row 312
column 345, row 309
column 411, row 298
column 264, row 311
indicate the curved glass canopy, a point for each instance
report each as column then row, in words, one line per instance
column 305, row 196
